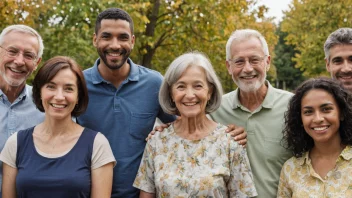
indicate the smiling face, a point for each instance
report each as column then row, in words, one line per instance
column 320, row 116
column 248, row 78
column 15, row 70
column 340, row 64
column 60, row 95
column 191, row 92
column 114, row 42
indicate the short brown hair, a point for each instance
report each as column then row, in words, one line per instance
column 49, row 70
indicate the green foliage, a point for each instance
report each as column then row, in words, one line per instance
column 308, row 24
column 164, row 29
column 288, row 77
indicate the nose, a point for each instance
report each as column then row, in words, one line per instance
column 347, row 66
column 247, row 67
column 115, row 44
column 318, row 118
column 19, row 59
column 59, row 94
column 189, row 92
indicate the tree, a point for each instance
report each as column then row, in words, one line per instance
column 308, row 23
column 164, row 29
column 288, row 77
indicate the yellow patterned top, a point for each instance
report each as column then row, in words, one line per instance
column 215, row 166
column 298, row 178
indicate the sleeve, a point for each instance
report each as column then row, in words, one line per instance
column 102, row 153
column 241, row 182
column 9, row 152
column 145, row 176
column 284, row 190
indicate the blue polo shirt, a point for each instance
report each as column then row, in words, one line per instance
column 19, row 115
column 125, row 115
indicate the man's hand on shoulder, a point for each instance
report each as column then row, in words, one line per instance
column 239, row 134
column 159, row 128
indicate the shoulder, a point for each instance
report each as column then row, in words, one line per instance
column 100, row 139
column 282, row 93
column 228, row 99
column 293, row 163
column 149, row 74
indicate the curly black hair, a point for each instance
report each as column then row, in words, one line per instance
column 295, row 137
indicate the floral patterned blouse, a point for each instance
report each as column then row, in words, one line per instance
column 213, row 166
column 298, row 178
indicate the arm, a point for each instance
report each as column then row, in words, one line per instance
column 283, row 190
column 241, row 182
column 144, row 194
column 9, row 181
column 102, row 181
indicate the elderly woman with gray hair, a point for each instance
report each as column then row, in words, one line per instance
column 193, row 157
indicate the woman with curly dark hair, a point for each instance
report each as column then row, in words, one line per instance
column 318, row 129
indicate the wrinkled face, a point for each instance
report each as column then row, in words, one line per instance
column 191, row 92
column 340, row 64
column 60, row 95
column 248, row 64
column 114, row 42
column 320, row 116
column 16, row 69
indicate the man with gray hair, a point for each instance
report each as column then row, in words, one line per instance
column 256, row 106
column 338, row 56
column 21, row 49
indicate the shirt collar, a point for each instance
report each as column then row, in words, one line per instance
column 346, row 154
column 25, row 91
column 268, row 100
column 132, row 76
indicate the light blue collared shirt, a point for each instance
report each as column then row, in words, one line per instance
column 21, row 114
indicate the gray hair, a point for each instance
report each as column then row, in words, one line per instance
column 23, row 29
column 242, row 35
column 174, row 72
column 342, row 36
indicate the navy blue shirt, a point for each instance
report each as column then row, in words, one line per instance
column 66, row 176
column 125, row 115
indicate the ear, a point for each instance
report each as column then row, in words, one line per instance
column 327, row 65
column 228, row 66
column 268, row 61
column 95, row 40
column 133, row 40
column 37, row 63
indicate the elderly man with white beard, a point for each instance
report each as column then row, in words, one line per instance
column 256, row 106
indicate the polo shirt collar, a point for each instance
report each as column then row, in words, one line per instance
column 268, row 100
column 132, row 76
column 25, row 91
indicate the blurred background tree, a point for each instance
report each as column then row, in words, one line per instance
column 164, row 29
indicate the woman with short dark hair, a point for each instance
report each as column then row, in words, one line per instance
column 58, row 157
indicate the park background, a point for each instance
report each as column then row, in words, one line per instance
column 165, row 29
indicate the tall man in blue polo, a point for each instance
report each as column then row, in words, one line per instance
column 21, row 49
column 123, row 97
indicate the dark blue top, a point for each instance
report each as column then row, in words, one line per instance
column 125, row 115
column 67, row 176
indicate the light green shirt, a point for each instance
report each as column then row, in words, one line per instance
column 264, row 133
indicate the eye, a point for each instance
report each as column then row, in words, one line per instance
column 327, row 109
column 255, row 61
column 180, row 87
column 337, row 61
column 12, row 52
column 29, row 56
column 69, row 89
column 307, row 112
column 50, row 86
column 198, row 86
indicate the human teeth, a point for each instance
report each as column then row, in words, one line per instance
column 190, row 104
column 248, row 77
column 58, row 106
column 114, row 54
column 320, row 128
column 15, row 70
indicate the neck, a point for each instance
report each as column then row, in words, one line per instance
column 115, row 76
column 252, row 100
column 56, row 127
column 194, row 128
column 328, row 149
column 11, row 92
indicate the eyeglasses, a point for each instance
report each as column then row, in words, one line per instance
column 14, row 52
column 241, row 62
